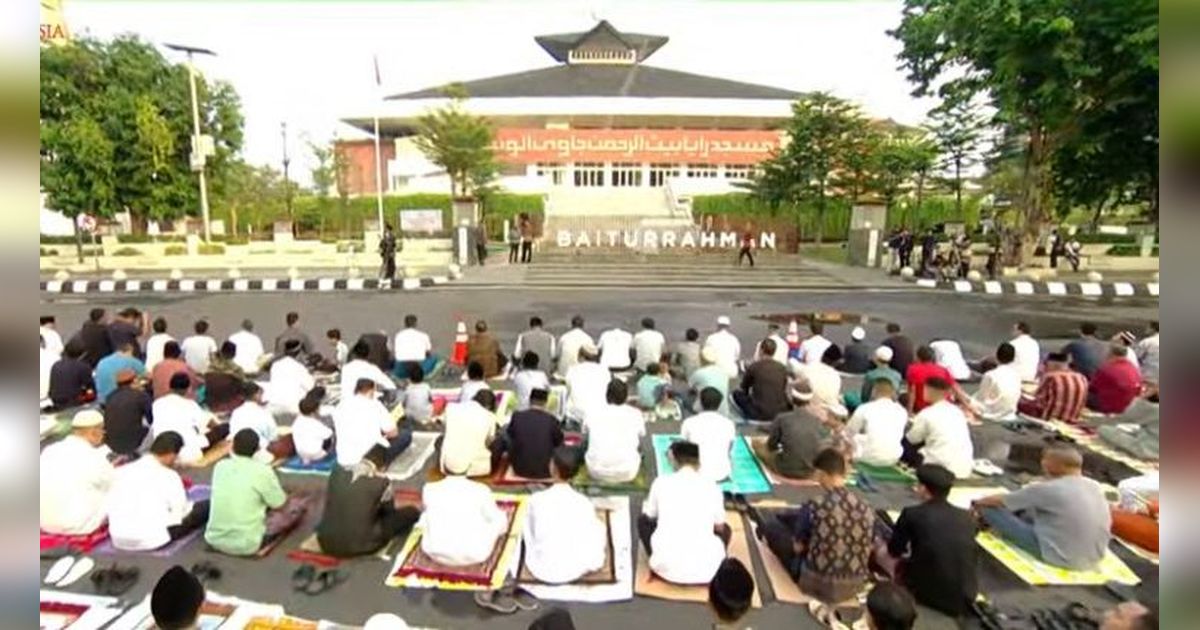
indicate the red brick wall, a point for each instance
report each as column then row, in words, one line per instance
column 360, row 176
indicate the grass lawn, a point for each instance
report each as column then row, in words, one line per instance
column 827, row 252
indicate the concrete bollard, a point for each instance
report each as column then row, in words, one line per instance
column 176, row 274
column 62, row 275
column 974, row 275
column 907, row 272
column 354, row 272
column 234, row 273
column 1033, row 275
column 293, row 273
column 119, row 274
column 1095, row 276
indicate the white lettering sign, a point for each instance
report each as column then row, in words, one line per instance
column 658, row 238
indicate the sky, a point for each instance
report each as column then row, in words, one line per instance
column 310, row 63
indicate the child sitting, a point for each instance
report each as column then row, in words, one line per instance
column 418, row 397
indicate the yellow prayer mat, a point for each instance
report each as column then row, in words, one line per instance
column 1037, row 573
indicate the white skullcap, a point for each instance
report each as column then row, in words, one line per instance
column 385, row 621
column 858, row 334
column 87, row 419
column 723, row 320
column 883, row 353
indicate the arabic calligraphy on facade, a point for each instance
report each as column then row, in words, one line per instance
column 635, row 145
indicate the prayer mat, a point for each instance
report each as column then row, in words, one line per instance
column 783, row 586
column 506, row 477
column 446, row 395
column 1143, row 553
column 79, row 543
column 584, row 482
column 58, row 610
column 618, row 570
column 886, row 474
column 775, row 478
column 195, row 493
column 415, row 569
column 217, row 611
column 413, row 459
column 215, row 453
column 746, row 476
column 287, row 518
column 962, row 496
column 1037, row 573
column 296, row 466
column 647, row 584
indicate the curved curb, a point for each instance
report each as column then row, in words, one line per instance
column 238, row 285
column 1029, row 287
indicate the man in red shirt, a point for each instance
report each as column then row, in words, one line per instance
column 1115, row 384
column 1061, row 393
column 747, row 243
column 924, row 369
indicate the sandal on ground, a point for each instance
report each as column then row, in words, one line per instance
column 206, row 571
column 303, row 576
column 496, row 601
column 81, row 568
column 115, row 580
column 59, row 569
column 324, row 581
column 524, row 599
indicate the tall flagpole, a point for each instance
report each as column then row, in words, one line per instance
column 378, row 155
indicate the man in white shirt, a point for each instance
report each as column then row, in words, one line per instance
column 587, row 382
column 648, row 345
column 49, row 331
column 682, row 525
column 360, row 422
column 615, row 349
column 460, row 521
column 877, row 427
column 148, row 506
column 176, row 412
column 46, row 360
column 341, row 351
column 825, row 383
column 1028, row 353
column 359, row 367
column 569, row 345
column 948, row 354
column 563, row 536
column 312, row 437
column 781, row 347
column 528, row 379
column 253, row 414
column 1147, row 355
column 75, row 478
column 156, row 342
column 614, row 434
column 199, row 348
column 470, row 434
column 713, row 433
column 249, row 348
column 1000, row 390
column 726, row 346
column 812, row 349
column 939, row 434
column 413, row 347
column 290, row 381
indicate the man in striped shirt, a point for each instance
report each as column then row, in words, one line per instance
column 1061, row 394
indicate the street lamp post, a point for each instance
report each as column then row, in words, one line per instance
column 287, row 184
column 199, row 150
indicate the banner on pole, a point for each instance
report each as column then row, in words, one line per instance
column 421, row 221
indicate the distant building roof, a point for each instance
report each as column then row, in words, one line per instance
column 603, row 35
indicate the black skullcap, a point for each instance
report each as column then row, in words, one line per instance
column 291, row 346
column 731, row 590
column 176, row 599
column 554, row 619
column 1057, row 357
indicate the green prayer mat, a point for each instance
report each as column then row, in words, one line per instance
column 885, row 474
column 745, row 476
column 584, row 482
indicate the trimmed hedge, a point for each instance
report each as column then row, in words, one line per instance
column 1129, row 251
column 1105, row 238
column 333, row 220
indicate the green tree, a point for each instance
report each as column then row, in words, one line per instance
column 80, row 169
column 253, row 196
column 324, row 178
column 459, row 142
column 957, row 127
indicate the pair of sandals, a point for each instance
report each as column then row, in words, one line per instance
column 829, row 617
column 68, row 570
column 507, row 600
column 206, row 572
column 738, row 502
column 308, row 580
column 115, row 580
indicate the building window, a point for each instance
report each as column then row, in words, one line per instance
column 738, row 171
column 701, row 171
column 659, row 173
column 552, row 172
column 589, row 174
column 626, row 174
column 399, row 182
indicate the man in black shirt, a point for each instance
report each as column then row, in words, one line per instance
column 532, row 436
column 360, row 510
column 856, row 358
column 126, row 328
column 377, row 350
column 293, row 332
column 902, row 348
column 763, row 394
column 71, row 380
column 936, row 544
column 127, row 415
column 94, row 337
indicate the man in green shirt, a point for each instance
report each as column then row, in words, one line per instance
column 710, row 375
column 243, row 489
column 882, row 369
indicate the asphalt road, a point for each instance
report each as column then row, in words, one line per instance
column 979, row 322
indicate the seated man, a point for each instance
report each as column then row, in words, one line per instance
column 653, row 386
column 532, row 437
column 1068, row 518
column 127, row 415
column 890, row 607
column 613, row 436
column 856, row 356
column 172, row 363
column 176, row 600
column 564, row 538
column 877, row 427
column 225, row 381
column 824, row 381
column 223, row 362
column 731, row 592
column 682, row 524
column 1060, row 395
column 75, row 478
column 529, row 378
column 475, row 382
column 176, row 412
column 243, row 489
column 919, row 373
column 148, row 506
column 253, row 415
column 1115, row 385
column 360, row 510
column 290, row 380
column 686, row 358
column 107, row 368
column 826, row 543
column 939, row 434
column 71, row 380
column 948, row 354
column 616, row 349
column 882, row 369
column 360, row 366
column 470, row 430
column 1000, row 390
column 482, row 348
column 795, row 437
column 418, row 397
column 763, row 393
column 709, row 374
column 713, row 433
column 412, row 349
column 587, row 381
column 461, row 520
column 311, row 436
column 360, row 422
column 934, row 544
column 249, row 347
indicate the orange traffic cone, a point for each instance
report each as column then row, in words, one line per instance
column 793, row 340
column 458, row 357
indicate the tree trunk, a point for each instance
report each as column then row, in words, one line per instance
column 819, row 232
column 78, row 238
column 1094, row 224
column 1033, row 194
column 920, row 189
column 958, row 186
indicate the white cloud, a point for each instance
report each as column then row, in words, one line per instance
column 310, row 63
